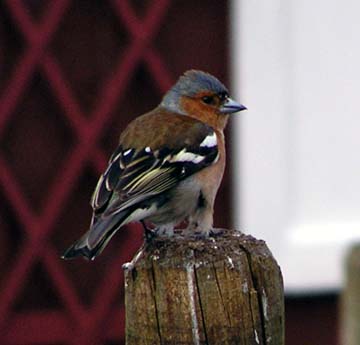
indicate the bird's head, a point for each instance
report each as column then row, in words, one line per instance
column 201, row 95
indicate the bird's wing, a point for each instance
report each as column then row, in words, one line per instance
column 135, row 175
column 156, row 152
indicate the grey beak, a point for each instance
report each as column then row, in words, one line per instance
column 230, row 106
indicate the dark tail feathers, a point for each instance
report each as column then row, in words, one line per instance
column 92, row 243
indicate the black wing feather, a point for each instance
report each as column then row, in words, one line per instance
column 134, row 176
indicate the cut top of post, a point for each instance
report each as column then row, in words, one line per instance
column 219, row 290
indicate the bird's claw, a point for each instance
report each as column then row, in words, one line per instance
column 216, row 232
column 149, row 234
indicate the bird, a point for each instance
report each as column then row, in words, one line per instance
column 167, row 167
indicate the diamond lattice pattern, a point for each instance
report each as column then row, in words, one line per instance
column 76, row 73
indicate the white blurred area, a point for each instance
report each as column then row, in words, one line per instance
column 296, row 66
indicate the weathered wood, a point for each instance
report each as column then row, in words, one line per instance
column 224, row 290
column 351, row 299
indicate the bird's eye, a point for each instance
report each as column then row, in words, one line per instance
column 223, row 96
column 208, row 99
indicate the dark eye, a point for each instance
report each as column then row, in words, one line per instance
column 223, row 96
column 208, row 99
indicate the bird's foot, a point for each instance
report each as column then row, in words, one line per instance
column 199, row 235
column 165, row 231
column 148, row 233
column 216, row 232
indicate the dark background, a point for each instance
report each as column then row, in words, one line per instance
column 72, row 75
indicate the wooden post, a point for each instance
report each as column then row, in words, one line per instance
column 351, row 299
column 223, row 290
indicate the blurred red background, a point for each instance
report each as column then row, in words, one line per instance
column 72, row 75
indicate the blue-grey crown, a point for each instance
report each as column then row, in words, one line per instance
column 194, row 81
column 190, row 84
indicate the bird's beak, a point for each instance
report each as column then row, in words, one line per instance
column 230, row 106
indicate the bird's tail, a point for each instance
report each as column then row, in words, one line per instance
column 92, row 243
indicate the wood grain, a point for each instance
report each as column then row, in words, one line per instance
column 222, row 290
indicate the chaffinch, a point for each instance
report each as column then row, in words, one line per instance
column 167, row 168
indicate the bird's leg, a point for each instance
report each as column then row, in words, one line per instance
column 200, row 223
column 165, row 230
column 149, row 234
